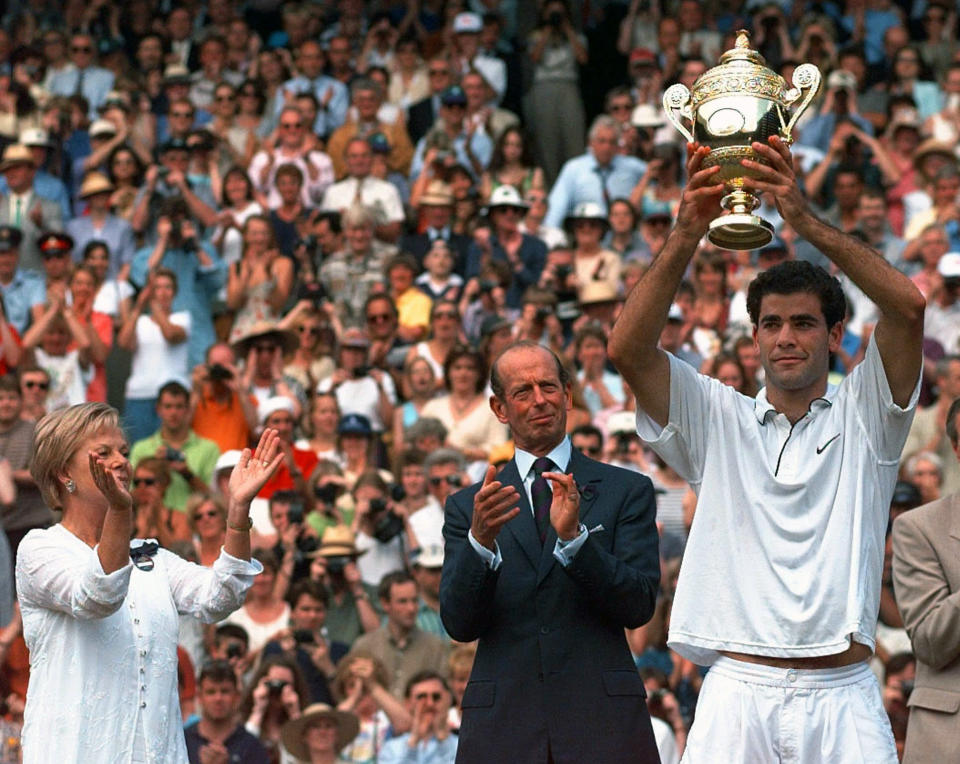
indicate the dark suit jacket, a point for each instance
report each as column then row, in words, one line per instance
column 418, row 244
column 420, row 119
column 553, row 667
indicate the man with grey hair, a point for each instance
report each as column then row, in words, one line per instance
column 352, row 274
column 928, row 431
column 445, row 473
column 598, row 175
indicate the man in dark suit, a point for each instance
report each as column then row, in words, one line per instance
column 437, row 206
column 553, row 679
column 424, row 113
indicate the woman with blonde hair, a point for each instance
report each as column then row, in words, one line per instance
column 207, row 520
column 101, row 612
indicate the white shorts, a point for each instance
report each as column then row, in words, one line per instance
column 755, row 714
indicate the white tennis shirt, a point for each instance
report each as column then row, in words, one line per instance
column 785, row 554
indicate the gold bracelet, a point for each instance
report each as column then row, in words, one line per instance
column 241, row 528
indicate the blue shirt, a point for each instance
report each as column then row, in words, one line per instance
column 97, row 82
column 197, row 286
column 480, row 145
column 532, row 254
column 22, row 293
column 818, row 130
column 582, row 179
column 116, row 232
column 329, row 118
column 432, row 751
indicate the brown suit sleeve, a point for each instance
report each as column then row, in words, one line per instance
column 931, row 612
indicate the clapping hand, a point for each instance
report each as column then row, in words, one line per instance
column 254, row 470
column 565, row 507
column 107, row 482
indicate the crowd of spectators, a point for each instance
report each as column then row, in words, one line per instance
column 328, row 218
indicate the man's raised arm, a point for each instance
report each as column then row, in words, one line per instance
column 633, row 345
column 899, row 331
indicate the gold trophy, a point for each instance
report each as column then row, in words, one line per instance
column 733, row 104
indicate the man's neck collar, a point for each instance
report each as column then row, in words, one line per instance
column 398, row 634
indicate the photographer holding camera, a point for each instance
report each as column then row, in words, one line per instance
column 220, row 409
column 295, row 539
column 382, row 528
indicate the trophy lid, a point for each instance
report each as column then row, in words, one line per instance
column 741, row 71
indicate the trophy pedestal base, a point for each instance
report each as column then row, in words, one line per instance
column 740, row 232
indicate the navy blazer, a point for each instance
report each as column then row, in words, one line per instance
column 553, row 671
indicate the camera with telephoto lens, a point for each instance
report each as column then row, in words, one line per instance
column 359, row 372
column 173, row 455
column 275, row 686
column 220, row 373
column 387, row 524
column 295, row 514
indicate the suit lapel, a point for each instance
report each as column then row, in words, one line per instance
column 523, row 527
column 955, row 516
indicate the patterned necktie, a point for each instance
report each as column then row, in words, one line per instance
column 542, row 495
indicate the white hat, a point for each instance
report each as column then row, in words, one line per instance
column 102, row 127
column 647, row 115
column 949, row 265
column 273, row 405
column 227, row 460
column 467, row 23
column 622, row 421
column 506, row 196
column 675, row 313
column 428, row 556
column 34, row 136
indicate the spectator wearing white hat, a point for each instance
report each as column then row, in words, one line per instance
column 943, row 309
column 278, row 413
column 466, row 53
column 44, row 184
column 586, row 225
column 426, row 563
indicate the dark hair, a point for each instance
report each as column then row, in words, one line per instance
column 426, row 675
column 289, row 169
column 459, row 352
column 137, row 163
column 309, row 588
column 173, row 388
column 299, row 683
column 952, row 414
column 93, row 244
column 796, row 276
column 10, row 384
column 402, row 260
column 217, row 671
column 232, row 631
column 634, row 217
column 897, row 663
column 259, row 90
column 496, row 383
column 333, row 220
column 394, row 578
column 587, row 331
column 526, row 155
column 380, row 297
column 236, row 170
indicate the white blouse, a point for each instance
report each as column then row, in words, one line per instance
column 103, row 648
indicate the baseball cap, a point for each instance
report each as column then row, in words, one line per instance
column 467, row 23
column 675, row 313
column 905, row 492
column 453, row 96
column 101, row 127
column 355, row 424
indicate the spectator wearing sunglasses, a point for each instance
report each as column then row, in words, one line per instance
column 81, row 77
column 34, row 389
column 152, row 518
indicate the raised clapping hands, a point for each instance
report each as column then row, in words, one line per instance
column 565, row 507
column 106, row 480
column 254, row 470
column 494, row 505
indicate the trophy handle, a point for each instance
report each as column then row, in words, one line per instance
column 676, row 98
column 806, row 77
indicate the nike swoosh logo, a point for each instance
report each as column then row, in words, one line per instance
column 822, row 448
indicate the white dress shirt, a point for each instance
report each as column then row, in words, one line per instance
column 103, row 648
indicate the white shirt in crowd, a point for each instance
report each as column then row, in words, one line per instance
column 377, row 194
column 156, row 361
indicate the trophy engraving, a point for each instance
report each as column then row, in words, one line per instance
column 735, row 103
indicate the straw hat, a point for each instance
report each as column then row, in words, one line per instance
column 16, row 154
column 292, row 733
column 95, row 183
column 337, row 541
column 438, row 194
column 263, row 330
column 932, row 146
